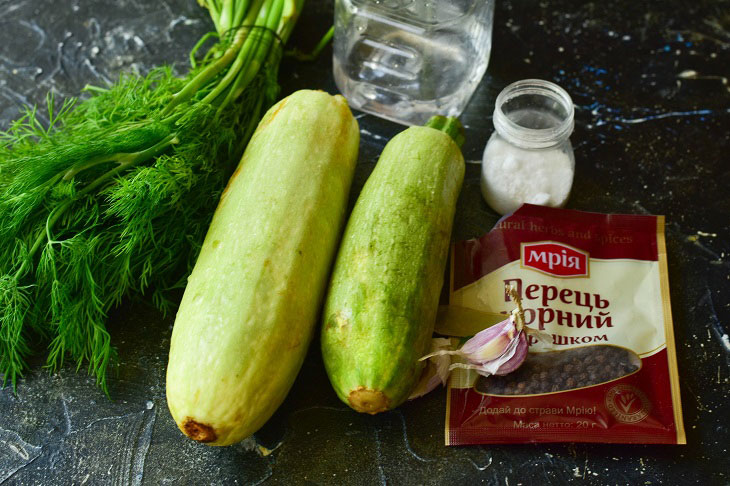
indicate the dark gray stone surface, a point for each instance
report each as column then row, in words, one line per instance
column 650, row 81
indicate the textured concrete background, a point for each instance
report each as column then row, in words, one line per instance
column 652, row 136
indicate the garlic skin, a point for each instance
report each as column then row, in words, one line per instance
column 436, row 371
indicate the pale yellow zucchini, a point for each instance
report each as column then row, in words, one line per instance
column 251, row 303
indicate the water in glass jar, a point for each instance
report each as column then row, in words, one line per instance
column 407, row 60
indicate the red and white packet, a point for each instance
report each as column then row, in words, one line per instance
column 586, row 279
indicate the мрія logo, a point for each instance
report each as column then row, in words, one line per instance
column 554, row 258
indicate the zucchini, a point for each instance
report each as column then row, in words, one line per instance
column 382, row 300
column 253, row 299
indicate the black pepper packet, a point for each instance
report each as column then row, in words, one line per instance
column 597, row 285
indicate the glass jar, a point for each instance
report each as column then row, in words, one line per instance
column 406, row 60
column 529, row 158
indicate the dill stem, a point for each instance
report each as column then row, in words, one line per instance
column 258, row 54
column 241, row 9
column 253, row 123
column 314, row 53
column 206, row 74
column 262, row 53
column 93, row 162
column 226, row 17
column 215, row 13
column 323, row 42
column 230, row 15
column 243, row 52
column 197, row 47
column 128, row 160
column 125, row 161
column 292, row 8
column 94, row 89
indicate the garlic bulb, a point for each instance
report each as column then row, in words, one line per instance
column 497, row 350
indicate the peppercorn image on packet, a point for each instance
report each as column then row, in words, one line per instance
column 597, row 286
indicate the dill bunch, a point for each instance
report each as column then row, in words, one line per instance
column 112, row 197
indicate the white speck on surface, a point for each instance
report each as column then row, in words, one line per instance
column 23, row 453
column 181, row 20
column 687, row 74
column 725, row 341
column 372, row 135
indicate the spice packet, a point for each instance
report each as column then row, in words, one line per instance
column 597, row 285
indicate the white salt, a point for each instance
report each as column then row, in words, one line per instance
column 512, row 176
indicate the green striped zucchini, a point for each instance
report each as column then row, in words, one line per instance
column 383, row 296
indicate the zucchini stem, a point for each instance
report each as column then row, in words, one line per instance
column 450, row 125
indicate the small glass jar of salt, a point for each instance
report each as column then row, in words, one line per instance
column 529, row 158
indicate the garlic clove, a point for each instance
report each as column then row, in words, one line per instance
column 517, row 358
column 496, row 350
column 490, row 343
column 512, row 358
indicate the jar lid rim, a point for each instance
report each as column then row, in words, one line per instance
column 534, row 137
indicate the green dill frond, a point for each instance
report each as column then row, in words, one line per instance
column 78, row 308
column 109, row 197
column 15, row 303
